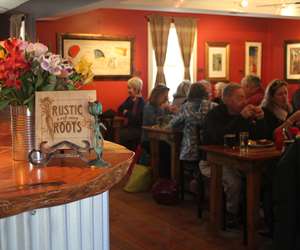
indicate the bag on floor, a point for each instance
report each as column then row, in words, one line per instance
column 165, row 192
column 139, row 180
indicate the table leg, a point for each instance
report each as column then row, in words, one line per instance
column 253, row 191
column 175, row 163
column 154, row 152
column 216, row 197
column 117, row 134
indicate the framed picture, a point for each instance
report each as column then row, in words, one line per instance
column 111, row 57
column 253, row 52
column 63, row 115
column 217, row 61
column 292, row 61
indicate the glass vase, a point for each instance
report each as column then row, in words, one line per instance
column 22, row 132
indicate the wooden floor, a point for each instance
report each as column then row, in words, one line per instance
column 138, row 223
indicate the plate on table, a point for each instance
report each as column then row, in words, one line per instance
column 263, row 143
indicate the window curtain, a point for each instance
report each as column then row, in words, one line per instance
column 159, row 27
column 15, row 25
column 30, row 28
column 186, row 30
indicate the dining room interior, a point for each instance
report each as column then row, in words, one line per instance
column 191, row 109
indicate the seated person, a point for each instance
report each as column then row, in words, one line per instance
column 253, row 90
column 219, row 88
column 154, row 109
column 232, row 117
column 132, row 110
column 278, row 115
column 278, row 111
column 191, row 117
column 207, row 85
column 296, row 100
column 181, row 93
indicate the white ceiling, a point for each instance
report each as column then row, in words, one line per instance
column 261, row 8
column 6, row 5
column 44, row 9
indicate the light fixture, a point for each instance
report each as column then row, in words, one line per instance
column 244, row 3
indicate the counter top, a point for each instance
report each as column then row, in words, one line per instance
column 24, row 187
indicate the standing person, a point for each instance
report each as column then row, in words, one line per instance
column 207, row 85
column 253, row 90
column 155, row 108
column 190, row 117
column 181, row 93
column 132, row 110
column 232, row 117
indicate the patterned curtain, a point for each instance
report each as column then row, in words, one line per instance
column 186, row 30
column 30, row 28
column 15, row 25
column 159, row 27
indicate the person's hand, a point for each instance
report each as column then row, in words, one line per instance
column 173, row 108
column 258, row 113
column 248, row 112
column 295, row 118
column 125, row 111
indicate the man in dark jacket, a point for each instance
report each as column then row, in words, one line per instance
column 232, row 117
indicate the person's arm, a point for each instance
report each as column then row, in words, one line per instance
column 177, row 120
column 124, row 106
column 149, row 116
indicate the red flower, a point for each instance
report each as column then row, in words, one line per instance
column 14, row 65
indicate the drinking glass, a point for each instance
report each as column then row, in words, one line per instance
column 230, row 140
column 244, row 139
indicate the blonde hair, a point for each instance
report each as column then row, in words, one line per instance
column 219, row 88
column 183, row 89
column 136, row 83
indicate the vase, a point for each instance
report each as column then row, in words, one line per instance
column 22, row 132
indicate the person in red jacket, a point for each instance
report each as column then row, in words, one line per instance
column 253, row 90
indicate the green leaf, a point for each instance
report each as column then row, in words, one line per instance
column 31, row 98
column 71, row 87
column 4, row 104
column 52, row 79
column 49, row 87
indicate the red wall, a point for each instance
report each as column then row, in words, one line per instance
column 234, row 30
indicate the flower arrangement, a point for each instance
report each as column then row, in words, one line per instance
column 29, row 67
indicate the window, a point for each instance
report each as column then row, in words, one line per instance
column 22, row 30
column 173, row 68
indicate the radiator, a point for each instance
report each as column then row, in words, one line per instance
column 80, row 225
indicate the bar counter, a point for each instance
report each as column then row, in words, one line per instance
column 24, row 187
column 62, row 206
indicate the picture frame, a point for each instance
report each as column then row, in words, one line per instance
column 253, row 58
column 111, row 57
column 217, row 61
column 292, row 61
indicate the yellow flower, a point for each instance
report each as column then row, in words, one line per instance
column 2, row 53
column 84, row 67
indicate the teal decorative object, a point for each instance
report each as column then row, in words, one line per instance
column 95, row 109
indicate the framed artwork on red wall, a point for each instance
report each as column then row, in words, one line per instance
column 217, row 61
column 292, row 60
column 110, row 57
column 253, row 55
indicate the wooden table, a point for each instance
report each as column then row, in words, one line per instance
column 251, row 163
column 117, row 123
column 173, row 138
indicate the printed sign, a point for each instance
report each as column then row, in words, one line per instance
column 63, row 115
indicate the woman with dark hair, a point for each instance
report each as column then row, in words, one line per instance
column 191, row 117
column 278, row 115
column 156, row 108
column 278, row 112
